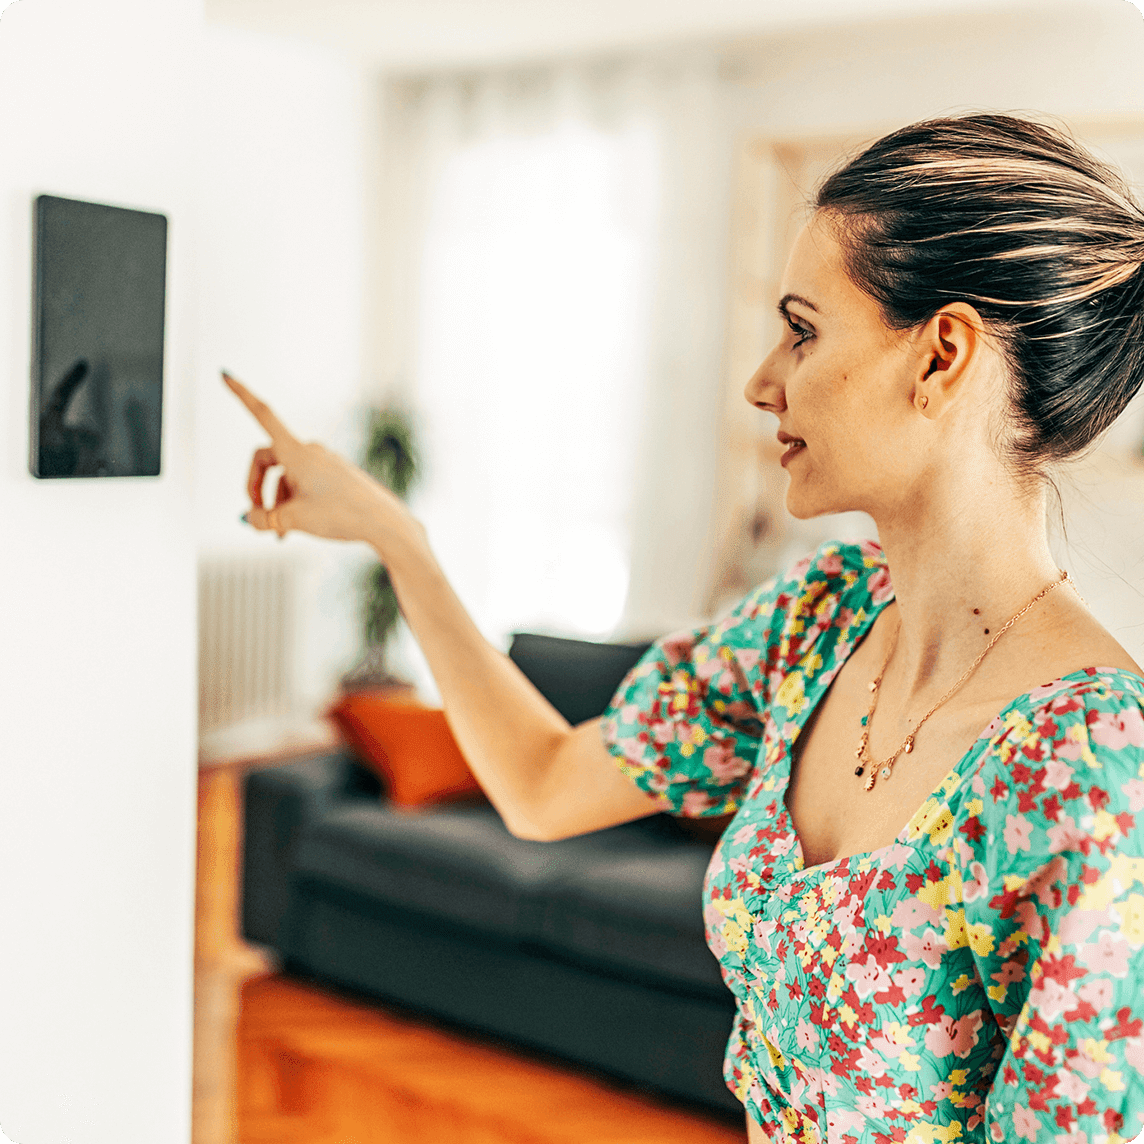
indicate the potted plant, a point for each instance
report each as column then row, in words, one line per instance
column 391, row 457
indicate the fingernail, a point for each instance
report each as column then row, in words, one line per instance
column 245, row 518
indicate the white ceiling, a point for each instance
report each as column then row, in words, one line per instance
column 410, row 35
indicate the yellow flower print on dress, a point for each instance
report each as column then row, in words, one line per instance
column 986, row 969
column 792, row 694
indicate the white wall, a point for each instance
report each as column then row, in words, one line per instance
column 1058, row 59
column 259, row 152
column 288, row 139
column 97, row 623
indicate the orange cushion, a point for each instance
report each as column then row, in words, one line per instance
column 408, row 745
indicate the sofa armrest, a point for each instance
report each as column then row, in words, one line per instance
column 578, row 677
column 279, row 802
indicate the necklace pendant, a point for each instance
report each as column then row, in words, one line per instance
column 886, row 772
column 909, row 745
column 869, row 783
column 859, row 770
column 873, row 685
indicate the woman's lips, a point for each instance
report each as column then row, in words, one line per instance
column 793, row 448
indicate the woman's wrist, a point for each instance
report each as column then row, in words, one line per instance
column 399, row 541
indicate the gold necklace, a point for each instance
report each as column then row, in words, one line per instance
column 886, row 767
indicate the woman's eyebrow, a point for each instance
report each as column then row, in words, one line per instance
column 788, row 298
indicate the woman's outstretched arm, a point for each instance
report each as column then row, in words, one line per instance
column 547, row 779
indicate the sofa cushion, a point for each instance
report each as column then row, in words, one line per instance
column 457, row 864
column 408, row 745
column 639, row 914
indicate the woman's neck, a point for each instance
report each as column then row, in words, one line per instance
column 959, row 574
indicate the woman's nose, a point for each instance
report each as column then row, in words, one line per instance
column 766, row 390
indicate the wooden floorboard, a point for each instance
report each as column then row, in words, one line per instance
column 334, row 1068
column 278, row 1061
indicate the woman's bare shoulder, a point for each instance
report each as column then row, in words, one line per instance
column 1082, row 642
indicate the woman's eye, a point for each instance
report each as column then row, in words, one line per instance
column 798, row 328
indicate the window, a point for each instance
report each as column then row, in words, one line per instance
column 532, row 344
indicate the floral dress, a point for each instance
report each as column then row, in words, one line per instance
column 980, row 978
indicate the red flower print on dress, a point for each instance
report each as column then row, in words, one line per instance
column 929, row 947
column 1058, row 774
column 1069, row 1086
column 947, row 1036
column 1064, row 834
column 677, row 648
column 871, row 1106
column 846, row 915
column 696, row 804
column 868, row 977
column 830, row 565
column 910, row 913
column 871, row 1063
column 1018, row 831
column 883, row 948
column 1082, row 1061
column 724, row 765
column 911, row 981
column 1010, row 972
column 1133, row 790
column 1109, row 955
column 976, row 886
column 1118, row 730
column 1026, row 1124
column 1134, row 1052
column 799, row 569
column 1053, row 999
column 880, row 588
column 848, row 1121
column 1021, row 918
column 784, row 844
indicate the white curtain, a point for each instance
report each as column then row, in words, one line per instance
column 565, row 236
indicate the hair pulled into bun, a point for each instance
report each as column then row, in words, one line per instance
column 1021, row 222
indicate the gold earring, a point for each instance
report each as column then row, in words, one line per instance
column 923, row 401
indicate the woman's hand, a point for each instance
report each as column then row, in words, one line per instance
column 319, row 491
column 547, row 779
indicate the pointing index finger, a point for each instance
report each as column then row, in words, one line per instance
column 262, row 413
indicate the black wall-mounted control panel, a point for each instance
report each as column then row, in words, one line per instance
column 98, row 307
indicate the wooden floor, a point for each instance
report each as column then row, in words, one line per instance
column 281, row 1062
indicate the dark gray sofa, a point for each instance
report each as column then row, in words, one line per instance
column 591, row 948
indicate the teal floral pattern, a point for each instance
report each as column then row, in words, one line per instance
column 979, row 979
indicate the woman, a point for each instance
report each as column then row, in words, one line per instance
column 930, row 903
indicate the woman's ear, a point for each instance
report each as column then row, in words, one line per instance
column 949, row 345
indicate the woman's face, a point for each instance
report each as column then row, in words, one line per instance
column 841, row 381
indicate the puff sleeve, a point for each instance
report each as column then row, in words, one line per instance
column 687, row 722
column 1052, row 879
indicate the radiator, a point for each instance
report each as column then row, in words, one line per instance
column 246, row 641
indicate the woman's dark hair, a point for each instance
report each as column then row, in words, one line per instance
column 1041, row 238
